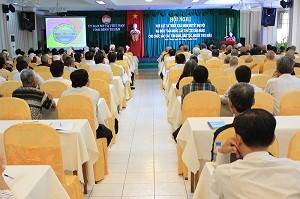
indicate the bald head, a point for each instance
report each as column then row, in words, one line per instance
column 270, row 55
column 233, row 61
column 248, row 59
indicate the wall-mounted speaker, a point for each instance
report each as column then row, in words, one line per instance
column 268, row 17
column 27, row 21
column 5, row 8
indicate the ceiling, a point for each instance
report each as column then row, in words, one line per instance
column 143, row 5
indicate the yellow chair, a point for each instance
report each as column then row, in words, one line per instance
column 77, row 64
column 44, row 69
column 255, row 69
column 297, row 70
column 39, row 144
column 224, row 136
column 208, row 106
column 100, row 74
column 204, row 56
column 257, row 61
column 170, row 64
column 231, row 73
column 240, row 62
column 103, row 88
column 264, row 101
column 223, row 83
column 183, row 82
column 260, row 80
column 10, row 75
column 268, row 66
column 129, row 53
column 14, row 109
column 290, row 104
column 215, row 72
column 55, row 88
column 32, row 65
column 294, row 147
column 66, row 75
column 8, row 87
column 45, row 75
column 85, row 67
column 269, row 72
column 224, row 66
column 214, row 63
column 116, row 70
column 71, row 107
column 124, row 64
column 201, row 62
column 243, row 57
column 174, row 76
column 274, row 148
column 250, row 65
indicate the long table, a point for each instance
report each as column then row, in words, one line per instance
column 34, row 181
column 78, row 147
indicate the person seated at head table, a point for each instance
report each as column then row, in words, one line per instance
column 100, row 65
column 80, row 83
column 242, row 74
column 258, row 174
column 57, row 70
column 200, row 82
column 278, row 87
column 36, row 98
column 187, row 70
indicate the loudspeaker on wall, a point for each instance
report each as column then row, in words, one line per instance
column 268, row 17
column 28, row 21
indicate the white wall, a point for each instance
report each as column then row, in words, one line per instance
column 294, row 36
column 251, row 26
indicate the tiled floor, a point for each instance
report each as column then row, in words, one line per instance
column 143, row 162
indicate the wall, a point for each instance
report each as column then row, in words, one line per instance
column 251, row 27
column 294, row 38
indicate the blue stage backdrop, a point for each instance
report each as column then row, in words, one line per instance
column 189, row 27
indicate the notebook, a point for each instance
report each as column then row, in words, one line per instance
column 216, row 125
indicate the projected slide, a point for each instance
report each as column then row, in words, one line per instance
column 63, row 32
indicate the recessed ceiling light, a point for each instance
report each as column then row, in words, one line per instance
column 195, row 1
column 100, row 2
column 148, row 0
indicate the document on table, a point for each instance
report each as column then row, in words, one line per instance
column 216, row 125
column 63, row 127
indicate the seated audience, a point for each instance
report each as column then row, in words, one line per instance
column 228, row 50
column 100, row 65
column 187, row 70
column 89, row 55
column 77, row 57
column 44, row 61
column 291, row 53
column 36, row 98
column 112, row 57
column 80, row 83
column 259, row 174
column 57, row 70
column 270, row 58
column 233, row 64
column 242, row 74
column 285, row 82
column 70, row 63
column 200, row 82
column 3, row 72
column 243, row 51
column 180, row 61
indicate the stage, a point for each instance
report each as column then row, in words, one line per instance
column 148, row 63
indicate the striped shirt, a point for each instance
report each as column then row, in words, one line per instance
column 196, row 87
column 36, row 99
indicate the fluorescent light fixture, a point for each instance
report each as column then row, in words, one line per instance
column 100, row 2
column 195, row 1
column 148, row 0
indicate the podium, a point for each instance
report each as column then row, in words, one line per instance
column 227, row 43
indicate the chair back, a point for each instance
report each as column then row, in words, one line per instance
column 55, row 88
column 170, row 64
column 71, row 107
column 240, row 62
column 14, row 109
column 116, row 70
column 45, row 69
column 45, row 75
column 294, row 147
column 124, row 64
column 215, row 72
column 214, row 63
column 85, row 67
column 243, row 57
column 297, row 70
column 225, row 135
column 201, row 104
column 174, row 76
column 66, row 75
column 274, row 148
column 77, row 64
column 257, row 61
column 269, row 72
column 103, row 88
column 290, row 104
column 32, row 65
column 201, row 62
column 204, row 56
column 255, row 69
column 8, row 87
column 10, row 75
column 223, row 83
column 250, row 65
column 99, row 74
column 224, row 66
column 231, row 73
column 260, row 80
column 268, row 66
column 264, row 101
column 183, row 82
column 34, row 144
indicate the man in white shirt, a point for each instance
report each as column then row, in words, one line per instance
column 259, row 174
column 233, row 64
column 88, row 59
column 70, row 63
column 278, row 87
column 242, row 74
column 112, row 57
column 204, row 49
column 57, row 70
column 180, row 62
column 100, row 65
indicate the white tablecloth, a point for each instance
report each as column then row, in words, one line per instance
column 78, row 146
column 175, row 116
column 117, row 81
column 196, row 137
column 203, row 189
column 34, row 182
column 114, row 100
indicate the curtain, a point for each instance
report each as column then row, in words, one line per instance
column 111, row 36
column 216, row 23
column 136, row 42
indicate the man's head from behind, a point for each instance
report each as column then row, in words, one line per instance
column 69, row 62
column 21, row 65
column 28, row 78
column 57, row 68
column 112, row 57
column 285, row 65
column 243, row 74
column 99, row 58
column 180, row 59
column 241, row 98
column 255, row 130
column 215, row 53
column 172, row 52
column 200, row 74
column 79, row 78
column 233, row 61
column 89, row 55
